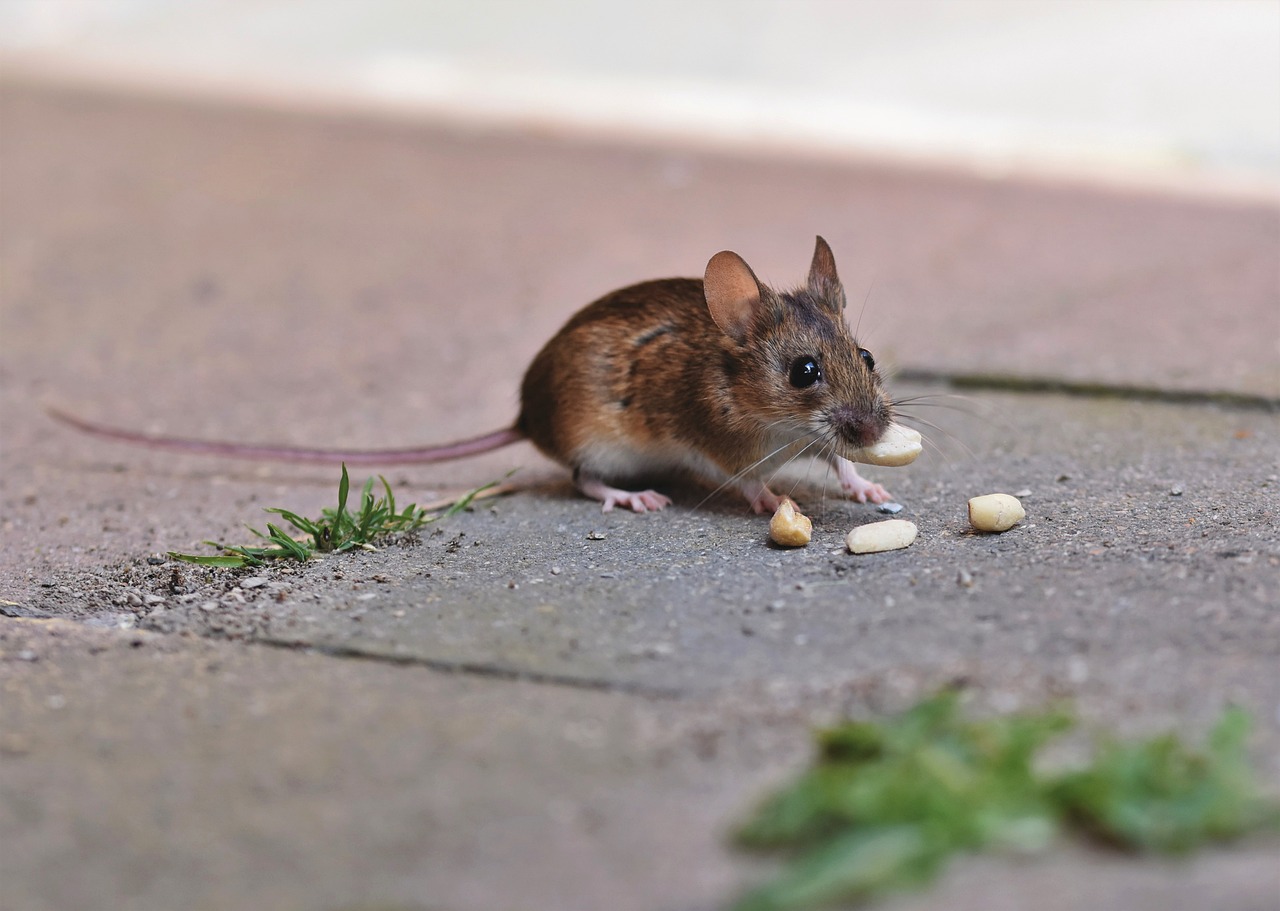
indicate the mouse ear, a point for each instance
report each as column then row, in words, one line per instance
column 733, row 294
column 823, row 280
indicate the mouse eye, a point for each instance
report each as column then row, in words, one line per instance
column 867, row 358
column 804, row 372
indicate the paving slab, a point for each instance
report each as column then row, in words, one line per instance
column 295, row 743
column 1126, row 541
column 421, row 268
column 145, row 771
column 1147, row 523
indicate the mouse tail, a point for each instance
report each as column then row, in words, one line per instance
column 410, row 455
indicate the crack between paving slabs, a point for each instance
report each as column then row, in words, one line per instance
column 997, row 382
column 478, row 669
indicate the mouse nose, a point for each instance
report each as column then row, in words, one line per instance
column 858, row 426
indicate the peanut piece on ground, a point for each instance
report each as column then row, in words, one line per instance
column 789, row 527
column 891, row 534
column 995, row 512
column 899, row 446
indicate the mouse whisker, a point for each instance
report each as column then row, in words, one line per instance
column 915, row 420
column 738, row 476
column 866, row 298
column 825, row 455
column 971, row 407
column 792, row 459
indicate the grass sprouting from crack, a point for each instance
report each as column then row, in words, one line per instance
column 336, row 530
column 886, row 804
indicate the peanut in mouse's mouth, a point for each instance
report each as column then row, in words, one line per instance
column 898, row 445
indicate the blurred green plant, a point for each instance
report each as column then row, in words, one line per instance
column 336, row 530
column 1158, row 796
column 886, row 804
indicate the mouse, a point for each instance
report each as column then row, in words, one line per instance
column 719, row 379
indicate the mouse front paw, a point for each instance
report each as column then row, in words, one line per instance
column 761, row 498
column 866, row 492
column 858, row 488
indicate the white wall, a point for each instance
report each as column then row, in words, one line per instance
column 1155, row 89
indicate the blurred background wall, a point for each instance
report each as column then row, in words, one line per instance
column 1183, row 92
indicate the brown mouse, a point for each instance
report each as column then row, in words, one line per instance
column 719, row 378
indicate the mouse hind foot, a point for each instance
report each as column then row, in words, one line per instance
column 636, row 501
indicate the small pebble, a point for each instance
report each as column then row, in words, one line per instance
column 890, row 508
column 253, row 582
column 1175, row 490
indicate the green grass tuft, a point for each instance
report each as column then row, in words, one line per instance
column 336, row 530
column 886, row 804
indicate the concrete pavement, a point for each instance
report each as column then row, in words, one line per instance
column 542, row 706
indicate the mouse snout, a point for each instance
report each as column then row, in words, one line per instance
column 858, row 426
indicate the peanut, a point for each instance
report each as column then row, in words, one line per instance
column 898, row 446
column 995, row 512
column 789, row 527
column 891, row 534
